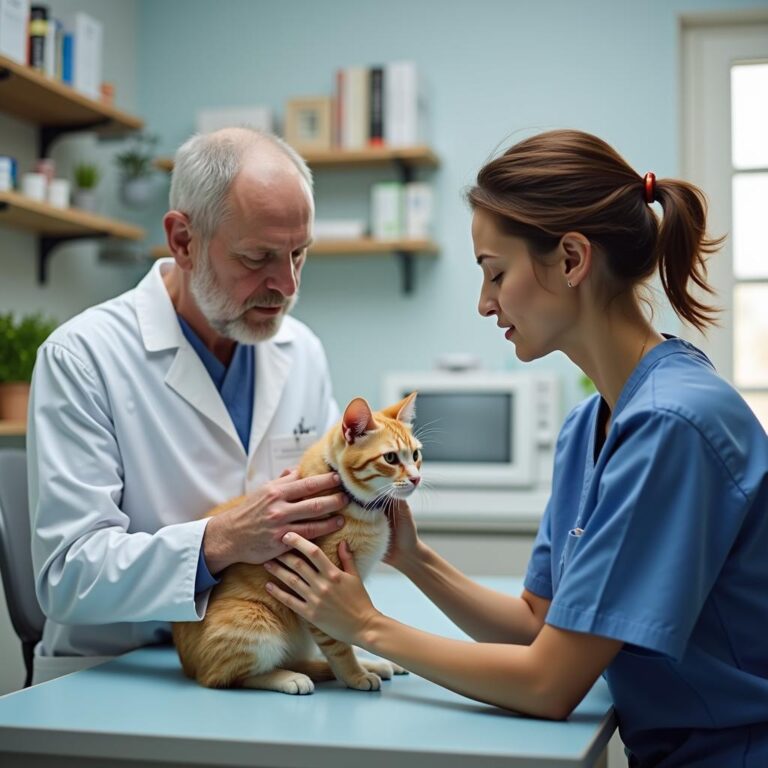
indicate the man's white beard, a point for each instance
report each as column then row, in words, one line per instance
column 227, row 317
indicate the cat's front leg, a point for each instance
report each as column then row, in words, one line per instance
column 344, row 663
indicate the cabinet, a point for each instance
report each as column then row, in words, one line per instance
column 406, row 160
column 57, row 109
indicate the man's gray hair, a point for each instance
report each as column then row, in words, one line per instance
column 205, row 166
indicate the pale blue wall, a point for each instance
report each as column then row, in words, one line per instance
column 494, row 70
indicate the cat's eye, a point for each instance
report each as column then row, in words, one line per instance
column 391, row 458
column 416, row 455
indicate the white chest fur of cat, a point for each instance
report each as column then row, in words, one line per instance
column 248, row 639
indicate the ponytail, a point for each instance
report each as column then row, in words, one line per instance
column 682, row 248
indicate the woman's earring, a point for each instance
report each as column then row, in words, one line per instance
column 570, row 284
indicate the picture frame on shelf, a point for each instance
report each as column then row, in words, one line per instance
column 308, row 123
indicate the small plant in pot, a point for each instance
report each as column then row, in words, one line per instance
column 87, row 176
column 19, row 341
column 136, row 165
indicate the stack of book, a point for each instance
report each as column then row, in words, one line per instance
column 378, row 106
column 68, row 51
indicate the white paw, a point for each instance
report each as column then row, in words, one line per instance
column 384, row 669
column 367, row 681
column 296, row 683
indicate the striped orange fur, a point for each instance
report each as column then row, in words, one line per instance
column 247, row 639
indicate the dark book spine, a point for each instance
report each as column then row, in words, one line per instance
column 38, row 29
column 377, row 107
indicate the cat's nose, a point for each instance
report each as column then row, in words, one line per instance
column 415, row 480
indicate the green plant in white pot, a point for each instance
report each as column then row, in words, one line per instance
column 19, row 341
column 87, row 176
column 136, row 166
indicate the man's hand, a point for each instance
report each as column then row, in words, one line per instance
column 251, row 530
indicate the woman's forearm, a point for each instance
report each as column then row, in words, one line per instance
column 496, row 674
column 484, row 614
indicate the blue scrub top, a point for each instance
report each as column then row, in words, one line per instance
column 662, row 542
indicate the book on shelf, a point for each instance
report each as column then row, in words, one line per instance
column 14, row 21
column 381, row 105
column 69, row 51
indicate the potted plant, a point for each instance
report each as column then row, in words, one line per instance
column 87, row 177
column 19, row 341
column 136, row 165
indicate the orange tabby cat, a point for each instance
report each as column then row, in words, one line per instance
column 247, row 638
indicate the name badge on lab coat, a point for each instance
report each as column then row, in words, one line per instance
column 286, row 450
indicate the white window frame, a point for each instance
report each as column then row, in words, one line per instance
column 710, row 44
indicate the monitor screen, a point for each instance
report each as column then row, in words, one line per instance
column 465, row 427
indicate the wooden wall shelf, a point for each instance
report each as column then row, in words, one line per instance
column 55, row 225
column 27, row 94
column 21, row 212
column 13, row 428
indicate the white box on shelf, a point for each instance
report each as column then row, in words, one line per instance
column 214, row 118
column 417, row 210
column 14, row 18
column 338, row 229
column 387, row 210
column 87, row 44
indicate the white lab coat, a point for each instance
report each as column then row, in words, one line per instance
column 129, row 445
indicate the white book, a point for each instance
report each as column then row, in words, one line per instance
column 50, row 49
column 404, row 105
column 355, row 108
column 14, row 17
column 417, row 210
column 87, row 52
column 387, row 210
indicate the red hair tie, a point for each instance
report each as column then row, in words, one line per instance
column 650, row 187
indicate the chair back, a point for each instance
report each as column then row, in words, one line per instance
column 16, row 554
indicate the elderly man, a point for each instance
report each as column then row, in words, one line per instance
column 191, row 389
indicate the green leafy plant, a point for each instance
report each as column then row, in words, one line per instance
column 19, row 341
column 87, row 175
column 137, row 161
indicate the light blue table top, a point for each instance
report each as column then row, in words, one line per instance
column 141, row 706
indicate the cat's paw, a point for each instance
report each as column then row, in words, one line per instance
column 365, row 681
column 384, row 669
column 296, row 684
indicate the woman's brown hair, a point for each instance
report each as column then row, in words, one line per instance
column 570, row 181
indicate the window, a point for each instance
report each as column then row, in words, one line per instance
column 725, row 152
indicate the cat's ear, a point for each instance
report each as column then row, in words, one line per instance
column 404, row 411
column 357, row 420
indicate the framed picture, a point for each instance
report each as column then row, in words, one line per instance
column 308, row 123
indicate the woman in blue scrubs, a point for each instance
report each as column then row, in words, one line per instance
column 651, row 562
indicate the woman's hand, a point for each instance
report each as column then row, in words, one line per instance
column 404, row 541
column 332, row 599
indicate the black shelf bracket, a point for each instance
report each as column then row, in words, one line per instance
column 405, row 170
column 407, row 271
column 406, row 173
column 49, row 133
column 46, row 244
